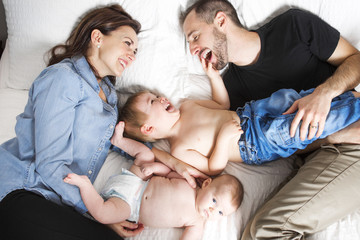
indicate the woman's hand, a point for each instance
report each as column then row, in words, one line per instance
column 127, row 229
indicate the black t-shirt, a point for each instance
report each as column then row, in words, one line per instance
column 294, row 48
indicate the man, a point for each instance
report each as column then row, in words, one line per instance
column 295, row 50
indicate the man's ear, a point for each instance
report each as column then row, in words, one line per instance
column 146, row 129
column 96, row 37
column 220, row 19
column 206, row 183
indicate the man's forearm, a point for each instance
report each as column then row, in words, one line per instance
column 346, row 77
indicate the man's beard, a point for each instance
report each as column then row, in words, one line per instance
column 220, row 49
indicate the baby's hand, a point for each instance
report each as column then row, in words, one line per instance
column 147, row 169
column 118, row 134
column 210, row 71
column 77, row 180
column 231, row 129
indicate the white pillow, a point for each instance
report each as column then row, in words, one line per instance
column 342, row 15
column 37, row 25
column 12, row 103
column 4, row 67
column 163, row 60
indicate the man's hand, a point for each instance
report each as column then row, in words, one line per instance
column 126, row 229
column 312, row 111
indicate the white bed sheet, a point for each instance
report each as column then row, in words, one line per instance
column 163, row 64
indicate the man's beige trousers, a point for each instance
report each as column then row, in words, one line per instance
column 326, row 188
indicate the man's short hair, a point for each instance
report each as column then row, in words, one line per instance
column 206, row 10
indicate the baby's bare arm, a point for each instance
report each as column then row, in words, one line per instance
column 114, row 210
column 220, row 155
column 185, row 170
column 219, row 95
column 193, row 158
column 218, row 90
column 136, row 149
column 193, row 232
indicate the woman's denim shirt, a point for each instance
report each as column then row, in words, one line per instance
column 64, row 128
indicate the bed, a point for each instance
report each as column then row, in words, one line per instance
column 165, row 65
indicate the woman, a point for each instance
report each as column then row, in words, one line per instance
column 66, row 127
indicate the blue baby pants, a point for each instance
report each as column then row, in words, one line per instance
column 267, row 132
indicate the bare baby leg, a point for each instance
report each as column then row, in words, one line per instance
column 114, row 210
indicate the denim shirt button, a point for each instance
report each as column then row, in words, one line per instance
column 242, row 149
column 90, row 172
column 111, row 126
column 99, row 148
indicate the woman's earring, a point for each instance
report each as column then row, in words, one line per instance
column 98, row 46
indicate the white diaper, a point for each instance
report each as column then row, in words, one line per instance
column 129, row 188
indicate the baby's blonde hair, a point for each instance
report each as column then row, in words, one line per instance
column 134, row 118
column 234, row 186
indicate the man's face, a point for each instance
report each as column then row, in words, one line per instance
column 206, row 41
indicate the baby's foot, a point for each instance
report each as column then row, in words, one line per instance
column 77, row 180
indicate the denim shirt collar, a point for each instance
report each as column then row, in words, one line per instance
column 83, row 68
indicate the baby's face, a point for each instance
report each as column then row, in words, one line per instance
column 213, row 203
column 151, row 104
column 160, row 111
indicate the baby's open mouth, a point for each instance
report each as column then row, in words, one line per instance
column 169, row 108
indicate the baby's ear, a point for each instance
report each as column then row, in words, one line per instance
column 206, row 183
column 146, row 129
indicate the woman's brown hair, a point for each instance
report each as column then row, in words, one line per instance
column 105, row 19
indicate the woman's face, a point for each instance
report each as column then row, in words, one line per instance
column 115, row 52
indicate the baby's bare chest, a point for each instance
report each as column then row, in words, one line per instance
column 200, row 129
column 168, row 204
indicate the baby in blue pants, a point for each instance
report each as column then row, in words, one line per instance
column 204, row 134
column 266, row 131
